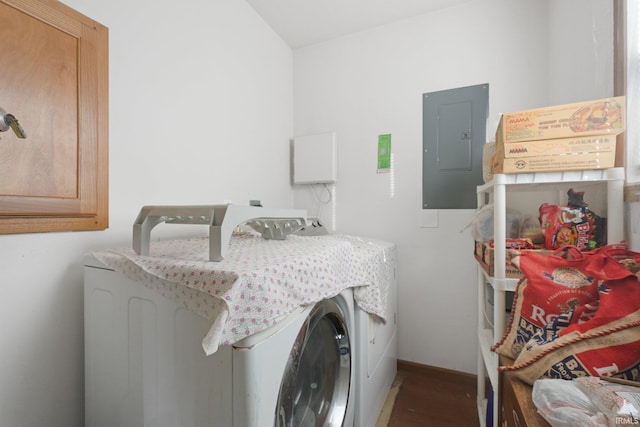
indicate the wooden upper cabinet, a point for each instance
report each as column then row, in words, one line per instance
column 54, row 80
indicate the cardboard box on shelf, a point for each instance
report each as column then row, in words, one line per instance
column 598, row 117
column 484, row 254
column 554, row 147
column 552, row 163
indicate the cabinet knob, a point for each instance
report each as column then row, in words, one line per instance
column 9, row 121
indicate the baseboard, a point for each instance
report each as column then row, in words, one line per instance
column 437, row 372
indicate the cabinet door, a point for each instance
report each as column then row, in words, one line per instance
column 54, row 81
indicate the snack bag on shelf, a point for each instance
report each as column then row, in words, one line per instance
column 574, row 224
column 515, row 243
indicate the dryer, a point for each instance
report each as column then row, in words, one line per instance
column 377, row 345
column 144, row 363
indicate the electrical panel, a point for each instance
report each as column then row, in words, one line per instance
column 453, row 136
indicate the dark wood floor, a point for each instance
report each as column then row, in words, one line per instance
column 434, row 397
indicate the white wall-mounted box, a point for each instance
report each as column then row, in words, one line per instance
column 315, row 159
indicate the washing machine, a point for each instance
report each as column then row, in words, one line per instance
column 145, row 366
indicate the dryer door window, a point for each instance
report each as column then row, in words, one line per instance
column 315, row 387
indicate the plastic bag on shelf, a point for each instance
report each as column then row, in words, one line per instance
column 563, row 404
column 619, row 402
column 482, row 224
column 530, row 229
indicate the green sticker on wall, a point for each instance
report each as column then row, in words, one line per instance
column 384, row 153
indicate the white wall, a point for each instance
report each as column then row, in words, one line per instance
column 581, row 56
column 198, row 91
column 372, row 83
